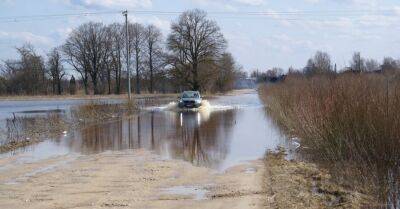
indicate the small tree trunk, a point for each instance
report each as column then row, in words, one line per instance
column 137, row 75
column 117, row 81
column 95, row 88
column 151, row 68
column 59, row 86
column 86, row 82
column 86, row 87
column 109, row 81
column 54, row 86
column 196, row 84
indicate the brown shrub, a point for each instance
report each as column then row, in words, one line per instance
column 350, row 123
column 97, row 110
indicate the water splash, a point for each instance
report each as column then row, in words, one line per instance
column 206, row 106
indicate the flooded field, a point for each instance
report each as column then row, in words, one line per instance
column 228, row 130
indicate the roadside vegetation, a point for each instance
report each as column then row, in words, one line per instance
column 21, row 131
column 293, row 184
column 348, row 122
column 95, row 111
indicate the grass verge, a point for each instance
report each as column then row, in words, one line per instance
column 293, row 184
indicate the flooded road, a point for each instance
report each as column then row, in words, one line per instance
column 162, row 157
column 29, row 107
column 230, row 130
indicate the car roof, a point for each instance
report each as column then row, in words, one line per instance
column 191, row 92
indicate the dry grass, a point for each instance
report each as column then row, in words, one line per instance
column 21, row 131
column 293, row 184
column 349, row 122
column 94, row 111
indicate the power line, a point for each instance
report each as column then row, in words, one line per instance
column 300, row 12
column 28, row 18
column 294, row 15
column 60, row 15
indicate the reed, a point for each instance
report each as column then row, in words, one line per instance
column 350, row 123
column 20, row 131
column 94, row 111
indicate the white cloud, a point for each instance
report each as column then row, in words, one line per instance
column 251, row 2
column 6, row 1
column 366, row 3
column 229, row 3
column 164, row 25
column 312, row 1
column 397, row 10
column 26, row 37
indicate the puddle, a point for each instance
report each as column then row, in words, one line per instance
column 194, row 192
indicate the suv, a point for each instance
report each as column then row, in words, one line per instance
column 190, row 99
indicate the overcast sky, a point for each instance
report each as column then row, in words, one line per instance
column 288, row 36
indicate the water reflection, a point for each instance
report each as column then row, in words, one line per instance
column 30, row 126
column 200, row 138
column 393, row 188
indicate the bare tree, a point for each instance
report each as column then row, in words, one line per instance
column 371, row 65
column 136, row 41
column 390, row 65
column 55, row 69
column 87, row 49
column 322, row 62
column 98, row 50
column 26, row 75
column 76, row 54
column 227, row 73
column 194, row 40
column 319, row 64
column 116, row 37
column 357, row 63
column 153, row 41
column 275, row 72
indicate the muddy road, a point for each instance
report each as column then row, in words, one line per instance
column 129, row 179
column 160, row 158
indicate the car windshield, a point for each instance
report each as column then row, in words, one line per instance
column 190, row 95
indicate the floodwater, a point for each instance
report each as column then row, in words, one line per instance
column 227, row 131
column 8, row 108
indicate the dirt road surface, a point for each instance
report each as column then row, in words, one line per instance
column 127, row 179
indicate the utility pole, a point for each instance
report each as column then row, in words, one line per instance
column 125, row 13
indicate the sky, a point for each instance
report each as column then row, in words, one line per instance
column 290, row 33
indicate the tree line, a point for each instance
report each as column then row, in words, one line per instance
column 93, row 59
column 321, row 64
